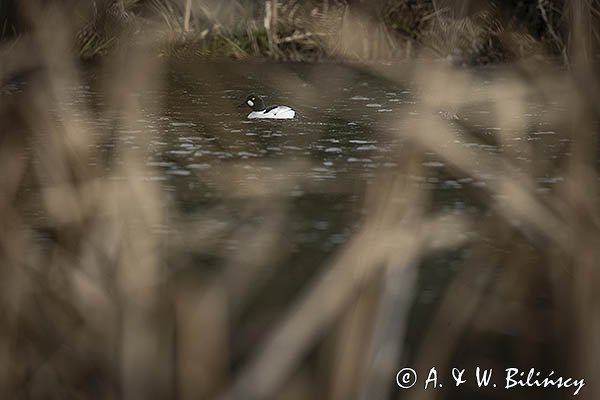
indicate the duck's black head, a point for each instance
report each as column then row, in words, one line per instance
column 255, row 103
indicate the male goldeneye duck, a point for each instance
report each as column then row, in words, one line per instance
column 260, row 110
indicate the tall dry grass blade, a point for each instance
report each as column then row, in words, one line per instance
column 397, row 294
column 187, row 15
column 348, row 349
column 201, row 337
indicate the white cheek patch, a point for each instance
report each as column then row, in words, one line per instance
column 250, row 103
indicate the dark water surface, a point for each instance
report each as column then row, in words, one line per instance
column 350, row 130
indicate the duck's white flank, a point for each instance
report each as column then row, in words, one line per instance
column 279, row 112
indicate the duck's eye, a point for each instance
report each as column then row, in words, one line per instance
column 254, row 98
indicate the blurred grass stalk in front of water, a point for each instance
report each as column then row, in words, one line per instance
column 103, row 307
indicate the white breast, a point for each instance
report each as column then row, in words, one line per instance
column 279, row 112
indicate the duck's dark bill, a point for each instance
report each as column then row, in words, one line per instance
column 242, row 104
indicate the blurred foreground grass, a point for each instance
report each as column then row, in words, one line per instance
column 105, row 308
